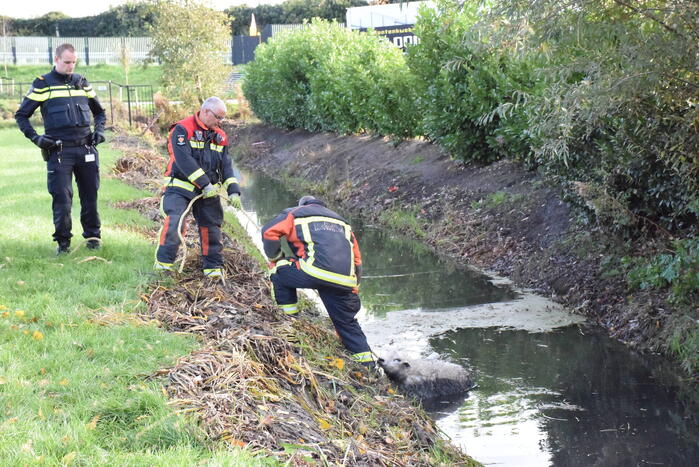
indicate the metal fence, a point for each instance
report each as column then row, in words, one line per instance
column 89, row 50
column 130, row 103
column 25, row 50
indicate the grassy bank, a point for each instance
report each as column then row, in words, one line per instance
column 138, row 74
column 74, row 360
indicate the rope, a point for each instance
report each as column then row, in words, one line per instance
column 84, row 242
column 219, row 194
column 179, row 230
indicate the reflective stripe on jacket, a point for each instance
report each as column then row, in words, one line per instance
column 67, row 103
column 199, row 155
column 323, row 243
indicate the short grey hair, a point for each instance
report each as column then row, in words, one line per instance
column 213, row 103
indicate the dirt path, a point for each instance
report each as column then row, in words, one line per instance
column 500, row 218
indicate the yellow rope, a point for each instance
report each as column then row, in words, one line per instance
column 84, row 242
column 220, row 194
column 179, row 230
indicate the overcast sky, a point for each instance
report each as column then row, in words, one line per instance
column 77, row 8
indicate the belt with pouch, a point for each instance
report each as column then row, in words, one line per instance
column 87, row 141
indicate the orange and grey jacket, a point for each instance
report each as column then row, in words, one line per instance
column 323, row 243
column 198, row 156
column 67, row 103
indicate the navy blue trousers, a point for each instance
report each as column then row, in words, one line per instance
column 341, row 303
column 208, row 213
column 83, row 162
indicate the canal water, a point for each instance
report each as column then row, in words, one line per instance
column 551, row 390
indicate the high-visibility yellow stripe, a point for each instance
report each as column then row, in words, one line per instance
column 307, row 264
column 341, row 279
column 52, row 92
column 196, row 174
column 179, row 183
column 289, row 309
column 162, row 266
column 37, row 97
column 362, row 357
column 216, row 272
column 229, row 181
column 216, row 147
column 278, row 264
column 67, row 93
column 196, row 144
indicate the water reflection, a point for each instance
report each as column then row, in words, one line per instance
column 570, row 397
column 399, row 273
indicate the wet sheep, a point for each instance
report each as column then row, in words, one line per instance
column 425, row 378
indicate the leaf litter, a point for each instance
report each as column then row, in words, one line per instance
column 275, row 384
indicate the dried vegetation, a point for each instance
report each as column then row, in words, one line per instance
column 278, row 385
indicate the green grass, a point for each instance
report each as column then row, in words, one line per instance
column 403, row 220
column 73, row 359
column 138, row 74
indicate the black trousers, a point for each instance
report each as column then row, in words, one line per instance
column 341, row 303
column 208, row 213
column 83, row 162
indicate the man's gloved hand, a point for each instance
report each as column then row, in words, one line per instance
column 209, row 191
column 98, row 138
column 43, row 141
column 234, row 200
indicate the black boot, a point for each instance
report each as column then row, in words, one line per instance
column 63, row 248
column 94, row 244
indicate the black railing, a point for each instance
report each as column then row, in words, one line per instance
column 123, row 102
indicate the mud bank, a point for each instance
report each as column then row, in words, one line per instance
column 500, row 218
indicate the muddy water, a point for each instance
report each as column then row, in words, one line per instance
column 551, row 391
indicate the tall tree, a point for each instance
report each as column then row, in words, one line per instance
column 190, row 39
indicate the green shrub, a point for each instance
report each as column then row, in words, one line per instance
column 677, row 270
column 620, row 109
column 471, row 89
column 325, row 77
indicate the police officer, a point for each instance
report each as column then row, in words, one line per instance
column 199, row 165
column 326, row 257
column 68, row 144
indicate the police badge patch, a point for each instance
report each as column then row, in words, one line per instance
column 180, row 140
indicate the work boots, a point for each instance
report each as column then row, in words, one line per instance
column 63, row 248
column 94, row 244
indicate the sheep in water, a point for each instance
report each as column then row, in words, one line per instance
column 425, row 378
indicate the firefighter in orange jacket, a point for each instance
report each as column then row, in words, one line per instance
column 199, row 164
column 326, row 257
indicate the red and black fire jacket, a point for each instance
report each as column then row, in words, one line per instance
column 322, row 241
column 199, row 156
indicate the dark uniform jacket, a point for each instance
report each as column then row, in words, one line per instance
column 67, row 105
column 322, row 241
column 199, row 156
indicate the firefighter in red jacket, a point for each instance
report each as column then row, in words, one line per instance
column 199, row 164
column 326, row 258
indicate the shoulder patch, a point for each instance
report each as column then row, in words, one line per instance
column 39, row 83
column 181, row 140
column 221, row 138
